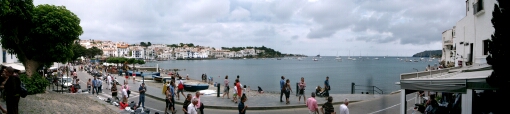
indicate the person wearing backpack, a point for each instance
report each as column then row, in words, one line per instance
column 180, row 88
column 12, row 88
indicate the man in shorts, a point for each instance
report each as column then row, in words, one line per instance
column 180, row 88
column 301, row 90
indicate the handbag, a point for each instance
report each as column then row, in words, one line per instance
column 23, row 92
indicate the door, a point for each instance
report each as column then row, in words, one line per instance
column 471, row 55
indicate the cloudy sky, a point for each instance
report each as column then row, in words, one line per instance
column 311, row 27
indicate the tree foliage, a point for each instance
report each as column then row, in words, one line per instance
column 91, row 52
column 498, row 50
column 38, row 35
column 78, row 51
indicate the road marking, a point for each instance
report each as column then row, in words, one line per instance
column 390, row 106
column 154, row 109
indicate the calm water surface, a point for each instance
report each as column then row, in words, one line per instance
column 266, row 73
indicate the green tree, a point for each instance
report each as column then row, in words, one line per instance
column 149, row 43
column 78, row 51
column 38, row 35
column 143, row 44
column 91, row 52
column 498, row 49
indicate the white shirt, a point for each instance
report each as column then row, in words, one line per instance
column 124, row 92
column 343, row 109
column 192, row 109
column 109, row 79
column 235, row 89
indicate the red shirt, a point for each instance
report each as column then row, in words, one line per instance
column 123, row 105
column 239, row 89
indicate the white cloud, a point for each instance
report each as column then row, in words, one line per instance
column 381, row 27
column 239, row 14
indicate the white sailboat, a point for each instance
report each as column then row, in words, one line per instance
column 338, row 57
column 349, row 55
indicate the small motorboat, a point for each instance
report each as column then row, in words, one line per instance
column 195, row 86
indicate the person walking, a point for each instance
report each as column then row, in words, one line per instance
column 11, row 85
column 282, row 83
column 199, row 105
column 234, row 97
column 180, row 88
column 109, row 81
column 328, row 108
column 95, row 86
column 301, row 91
column 100, row 86
column 311, row 103
column 288, row 90
column 242, row 107
column 239, row 88
column 127, row 88
column 141, row 99
column 227, row 88
column 192, row 108
column 89, row 85
column 187, row 102
column 169, row 101
column 343, row 107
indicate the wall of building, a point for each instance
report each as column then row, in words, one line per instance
column 474, row 28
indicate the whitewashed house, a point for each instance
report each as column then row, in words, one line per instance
column 8, row 57
column 470, row 42
column 448, row 50
column 471, row 33
column 122, row 50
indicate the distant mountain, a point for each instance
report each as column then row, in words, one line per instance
column 429, row 53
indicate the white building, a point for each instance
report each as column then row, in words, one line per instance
column 7, row 57
column 448, row 51
column 122, row 50
column 472, row 32
column 137, row 52
column 470, row 36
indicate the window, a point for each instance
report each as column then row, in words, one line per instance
column 486, row 47
column 467, row 6
column 478, row 6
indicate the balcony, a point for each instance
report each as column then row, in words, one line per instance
column 448, row 42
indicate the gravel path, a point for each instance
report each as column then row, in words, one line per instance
column 57, row 103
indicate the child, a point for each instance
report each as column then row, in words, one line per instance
column 241, row 107
column 244, row 90
column 234, row 99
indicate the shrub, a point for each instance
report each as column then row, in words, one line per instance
column 35, row 84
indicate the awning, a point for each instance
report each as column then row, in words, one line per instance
column 453, row 83
column 17, row 66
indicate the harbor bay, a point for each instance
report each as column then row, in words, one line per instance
column 381, row 72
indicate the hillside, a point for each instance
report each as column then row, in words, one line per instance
column 429, row 53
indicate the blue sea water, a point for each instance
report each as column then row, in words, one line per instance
column 266, row 73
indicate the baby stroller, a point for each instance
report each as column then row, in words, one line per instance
column 319, row 92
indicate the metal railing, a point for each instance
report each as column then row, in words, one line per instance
column 427, row 74
column 374, row 89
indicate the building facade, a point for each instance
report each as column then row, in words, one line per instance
column 472, row 33
column 448, row 50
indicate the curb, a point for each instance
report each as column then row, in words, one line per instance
column 251, row 108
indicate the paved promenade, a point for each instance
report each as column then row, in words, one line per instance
column 360, row 103
column 255, row 101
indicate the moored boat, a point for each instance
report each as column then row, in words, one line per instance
column 195, row 86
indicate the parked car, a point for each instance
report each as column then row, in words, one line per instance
column 64, row 81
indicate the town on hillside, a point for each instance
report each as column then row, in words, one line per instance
column 162, row 52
